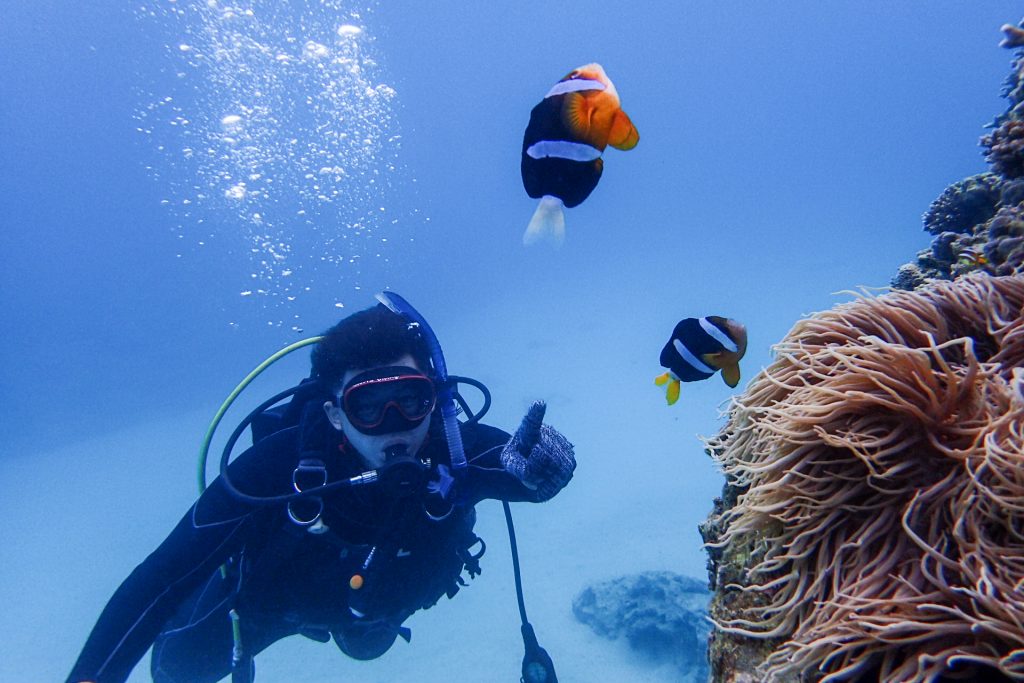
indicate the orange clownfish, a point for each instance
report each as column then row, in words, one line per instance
column 563, row 143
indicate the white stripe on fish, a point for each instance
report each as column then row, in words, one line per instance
column 574, row 85
column 717, row 334
column 694, row 362
column 563, row 149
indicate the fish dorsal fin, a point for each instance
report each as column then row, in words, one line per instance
column 623, row 134
column 731, row 374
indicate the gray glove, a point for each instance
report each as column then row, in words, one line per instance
column 538, row 455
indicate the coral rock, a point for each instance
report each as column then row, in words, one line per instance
column 1005, row 147
column 1014, row 36
column 963, row 205
column 1005, row 246
column 660, row 614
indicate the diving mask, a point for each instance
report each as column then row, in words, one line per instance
column 388, row 400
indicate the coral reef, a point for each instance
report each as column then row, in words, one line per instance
column 975, row 221
column 1005, row 246
column 662, row 616
column 1014, row 36
column 872, row 527
column 978, row 227
column 964, row 205
column 1013, row 87
column 1005, row 147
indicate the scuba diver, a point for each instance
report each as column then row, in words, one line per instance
column 353, row 508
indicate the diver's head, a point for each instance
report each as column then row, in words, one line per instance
column 376, row 366
column 382, row 407
column 370, row 338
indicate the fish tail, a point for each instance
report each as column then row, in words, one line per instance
column 671, row 384
column 548, row 222
column 672, row 392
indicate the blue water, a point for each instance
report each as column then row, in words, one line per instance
column 787, row 153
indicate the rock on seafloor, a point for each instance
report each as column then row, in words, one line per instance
column 662, row 615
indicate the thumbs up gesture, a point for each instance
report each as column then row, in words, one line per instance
column 538, row 455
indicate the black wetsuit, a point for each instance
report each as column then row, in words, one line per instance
column 284, row 580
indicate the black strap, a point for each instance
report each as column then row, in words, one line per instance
column 537, row 665
column 243, row 670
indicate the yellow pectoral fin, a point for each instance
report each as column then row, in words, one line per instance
column 623, row 134
column 731, row 374
column 672, row 393
column 661, row 379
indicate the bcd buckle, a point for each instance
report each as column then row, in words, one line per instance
column 309, row 474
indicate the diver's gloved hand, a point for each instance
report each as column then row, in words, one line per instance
column 538, row 455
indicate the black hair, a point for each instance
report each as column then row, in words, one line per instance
column 368, row 338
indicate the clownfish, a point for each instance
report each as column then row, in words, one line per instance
column 700, row 347
column 563, row 143
column 972, row 256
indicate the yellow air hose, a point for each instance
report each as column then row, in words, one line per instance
column 204, row 450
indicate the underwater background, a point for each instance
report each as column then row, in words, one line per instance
column 186, row 187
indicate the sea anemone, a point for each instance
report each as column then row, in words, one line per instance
column 878, row 476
